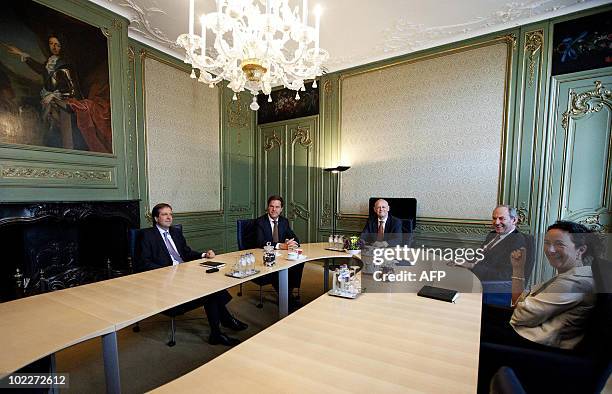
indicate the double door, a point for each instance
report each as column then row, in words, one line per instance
column 579, row 182
column 286, row 165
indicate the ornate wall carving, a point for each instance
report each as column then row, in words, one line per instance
column 449, row 162
column 183, row 139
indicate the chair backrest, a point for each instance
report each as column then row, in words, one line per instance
column 505, row 382
column 402, row 208
column 245, row 234
column 134, row 235
column 597, row 338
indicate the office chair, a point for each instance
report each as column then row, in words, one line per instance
column 404, row 209
column 133, row 242
column 246, row 237
column 584, row 369
column 505, row 382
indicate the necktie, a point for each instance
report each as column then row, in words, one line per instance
column 275, row 231
column 493, row 242
column 381, row 231
column 171, row 249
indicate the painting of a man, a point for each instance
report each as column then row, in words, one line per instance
column 63, row 115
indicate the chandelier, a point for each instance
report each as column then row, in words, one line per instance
column 255, row 50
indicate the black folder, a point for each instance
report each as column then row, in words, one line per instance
column 438, row 293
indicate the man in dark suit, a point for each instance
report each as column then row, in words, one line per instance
column 163, row 245
column 274, row 228
column 498, row 245
column 383, row 226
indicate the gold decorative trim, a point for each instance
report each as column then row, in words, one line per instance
column 523, row 215
column 106, row 31
column 236, row 116
column 510, row 39
column 533, row 43
column 54, row 173
column 303, row 134
column 131, row 54
column 580, row 103
column 117, row 24
column 270, row 140
column 326, row 215
column 593, row 223
column 297, row 211
column 436, row 228
column 327, row 87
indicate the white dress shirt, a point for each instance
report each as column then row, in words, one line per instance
column 162, row 231
column 272, row 229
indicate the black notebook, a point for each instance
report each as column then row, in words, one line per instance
column 212, row 264
column 438, row 293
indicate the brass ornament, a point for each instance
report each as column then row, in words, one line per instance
column 533, row 44
column 581, row 103
column 593, row 223
column 54, row 173
column 303, row 135
column 236, row 116
column 271, row 140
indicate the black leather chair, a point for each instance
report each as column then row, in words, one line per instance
column 247, row 239
column 506, row 382
column 582, row 370
column 402, row 208
column 133, row 240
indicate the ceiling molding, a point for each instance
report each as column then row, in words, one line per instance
column 153, row 21
column 410, row 36
column 140, row 24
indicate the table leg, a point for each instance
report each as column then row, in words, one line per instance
column 53, row 369
column 326, row 276
column 111, row 363
column 283, row 293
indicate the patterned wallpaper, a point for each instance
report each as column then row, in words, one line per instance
column 183, row 140
column 430, row 129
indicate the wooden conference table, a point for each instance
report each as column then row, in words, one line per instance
column 38, row 326
column 390, row 341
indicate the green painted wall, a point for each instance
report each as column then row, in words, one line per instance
column 207, row 229
column 33, row 173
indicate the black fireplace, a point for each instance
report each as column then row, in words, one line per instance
column 53, row 245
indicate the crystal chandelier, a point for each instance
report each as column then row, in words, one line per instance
column 255, row 50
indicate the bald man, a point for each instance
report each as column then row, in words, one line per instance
column 382, row 226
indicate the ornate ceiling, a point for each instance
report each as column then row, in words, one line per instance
column 357, row 32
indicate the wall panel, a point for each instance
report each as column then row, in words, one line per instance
column 183, row 139
column 430, row 128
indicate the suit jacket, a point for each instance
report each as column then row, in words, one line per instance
column 151, row 251
column 264, row 230
column 496, row 264
column 556, row 313
column 393, row 230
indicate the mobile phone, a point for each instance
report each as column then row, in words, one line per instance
column 211, row 270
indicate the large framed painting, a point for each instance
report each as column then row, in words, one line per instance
column 54, row 80
column 582, row 44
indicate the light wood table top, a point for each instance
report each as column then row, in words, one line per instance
column 80, row 313
column 35, row 327
column 379, row 342
column 129, row 299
